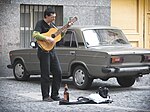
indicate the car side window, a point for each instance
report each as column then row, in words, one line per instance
column 69, row 40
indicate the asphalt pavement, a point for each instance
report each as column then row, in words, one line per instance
column 25, row 96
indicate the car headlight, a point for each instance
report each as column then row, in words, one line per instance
column 10, row 54
column 116, row 59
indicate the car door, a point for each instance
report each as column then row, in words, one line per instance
column 34, row 62
column 66, row 50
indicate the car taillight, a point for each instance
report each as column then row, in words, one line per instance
column 146, row 58
column 116, row 59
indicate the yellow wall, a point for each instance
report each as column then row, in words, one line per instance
column 147, row 24
column 128, row 15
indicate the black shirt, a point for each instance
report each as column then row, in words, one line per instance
column 43, row 27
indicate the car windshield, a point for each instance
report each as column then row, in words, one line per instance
column 97, row 37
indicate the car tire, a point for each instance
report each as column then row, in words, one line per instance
column 126, row 81
column 81, row 78
column 20, row 72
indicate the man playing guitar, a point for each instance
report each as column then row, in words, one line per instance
column 48, row 59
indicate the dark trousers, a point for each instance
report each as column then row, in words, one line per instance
column 49, row 63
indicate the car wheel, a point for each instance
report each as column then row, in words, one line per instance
column 20, row 72
column 81, row 78
column 126, row 81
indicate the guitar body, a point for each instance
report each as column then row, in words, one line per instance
column 56, row 34
column 46, row 45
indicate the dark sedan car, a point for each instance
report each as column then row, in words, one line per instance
column 87, row 53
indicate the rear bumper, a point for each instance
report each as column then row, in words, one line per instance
column 136, row 69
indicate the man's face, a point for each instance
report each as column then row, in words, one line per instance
column 51, row 18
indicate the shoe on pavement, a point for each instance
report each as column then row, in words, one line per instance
column 56, row 98
column 49, row 99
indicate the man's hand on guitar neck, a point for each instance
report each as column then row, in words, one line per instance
column 50, row 39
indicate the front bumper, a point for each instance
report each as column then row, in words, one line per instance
column 10, row 66
column 136, row 69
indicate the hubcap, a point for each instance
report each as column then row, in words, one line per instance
column 79, row 77
column 19, row 70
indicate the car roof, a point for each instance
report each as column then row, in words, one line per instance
column 91, row 27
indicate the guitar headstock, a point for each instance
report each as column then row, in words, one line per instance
column 72, row 20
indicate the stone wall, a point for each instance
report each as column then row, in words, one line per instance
column 9, row 34
column 89, row 12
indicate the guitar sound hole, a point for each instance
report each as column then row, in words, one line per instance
column 53, row 35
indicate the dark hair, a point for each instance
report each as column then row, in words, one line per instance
column 48, row 12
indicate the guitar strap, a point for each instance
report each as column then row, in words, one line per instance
column 54, row 26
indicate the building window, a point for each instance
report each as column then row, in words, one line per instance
column 29, row 15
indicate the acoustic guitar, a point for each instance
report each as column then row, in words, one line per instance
column 56, row 34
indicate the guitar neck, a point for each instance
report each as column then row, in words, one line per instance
column 61, row 30
column 65, row 27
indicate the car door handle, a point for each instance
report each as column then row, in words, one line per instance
column 72, row 52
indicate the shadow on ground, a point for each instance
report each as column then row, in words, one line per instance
column 95, row 85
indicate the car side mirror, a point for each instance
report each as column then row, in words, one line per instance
column 33, row 44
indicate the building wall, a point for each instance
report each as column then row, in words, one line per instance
column 147, row 24
column 9, row 34
column 89, row 12
column 133, row 17
column 127, row 15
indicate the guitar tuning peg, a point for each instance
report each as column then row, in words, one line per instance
column 70, row 23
